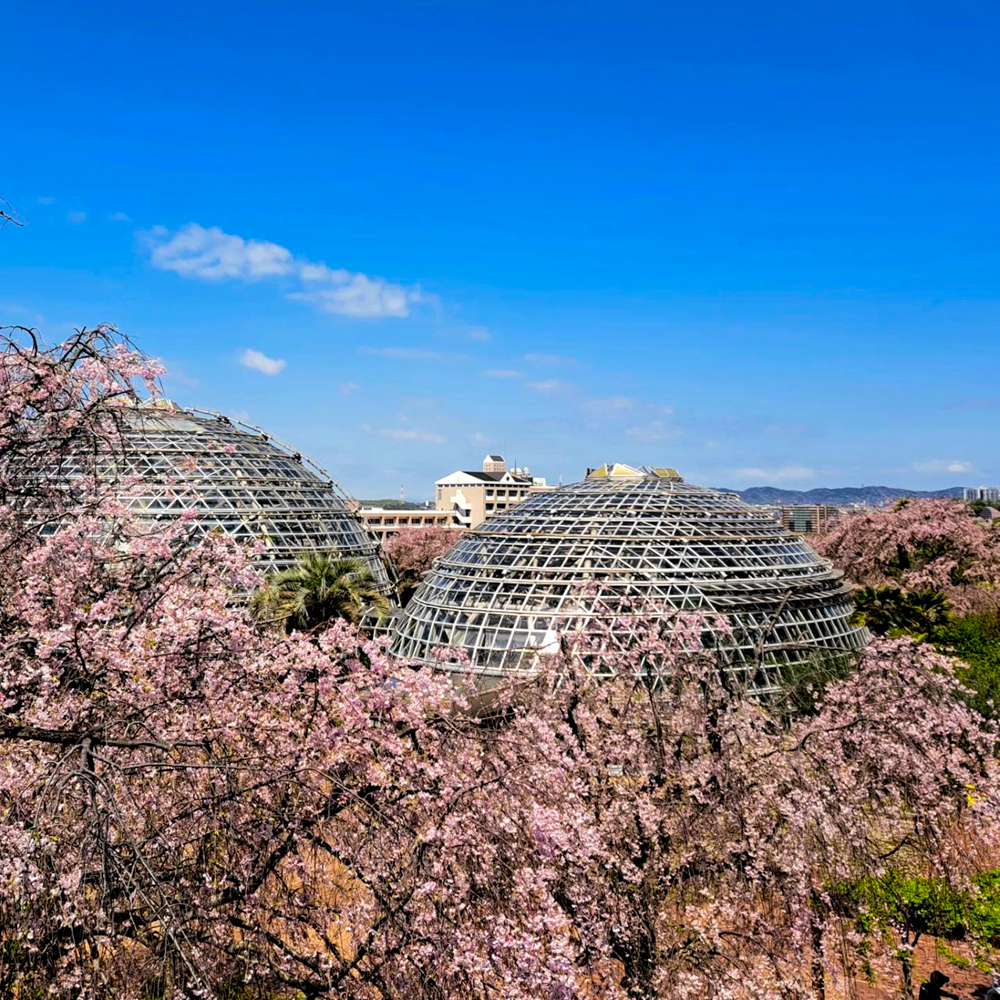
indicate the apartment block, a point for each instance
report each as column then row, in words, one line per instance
column 384, row 523
column 473, row 496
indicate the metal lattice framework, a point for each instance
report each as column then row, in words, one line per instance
column 624, row 544
column 239, row 480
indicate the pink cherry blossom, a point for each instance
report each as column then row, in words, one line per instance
column 191, row 803
column 935, row 544
column 412, row 552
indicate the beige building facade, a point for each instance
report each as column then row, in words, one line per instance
column 472, row 497
column 383, row 523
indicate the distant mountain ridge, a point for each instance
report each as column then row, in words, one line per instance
column 390, row 504
column 875, row 495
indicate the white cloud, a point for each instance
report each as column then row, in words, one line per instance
column 260, row 362
column 502, row 373
column 405, row 434
column 119, row 217
column 320, row 272
column 549, row 359
column 547, row 386
column 9, row 310
column 194, row 251
column 610, row 407
column 176, row 375
column 954, row 465
column 347, row 388
column 477, row 334
column 783, row 474
column 344, row 293
column 478, row 438
column 655, row 430
column 46, row 200
column 76, row 217
column 411, row 354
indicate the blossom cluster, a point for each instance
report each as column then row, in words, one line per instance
column 192, row 803
column 412, row 552
column 929, row 544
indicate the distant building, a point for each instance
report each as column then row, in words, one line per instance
column 991, row 494
column 473, row 496
column 807, row 518
column 383, row 523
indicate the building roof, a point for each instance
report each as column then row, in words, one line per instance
column 463, row 476
column 618, row 470
column 630, row 545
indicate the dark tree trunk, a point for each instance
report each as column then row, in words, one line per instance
column 816, row 929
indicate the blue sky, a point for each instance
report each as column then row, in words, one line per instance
column 757, row 242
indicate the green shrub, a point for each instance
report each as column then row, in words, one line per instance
column 975, row 639
column 904, row 909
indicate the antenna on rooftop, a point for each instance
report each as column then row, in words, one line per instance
column 401, row 497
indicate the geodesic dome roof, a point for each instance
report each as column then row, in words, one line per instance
column 627, row 544
column 239, row 480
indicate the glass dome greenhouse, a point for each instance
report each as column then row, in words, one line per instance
column 239, row 480
column 626, row 544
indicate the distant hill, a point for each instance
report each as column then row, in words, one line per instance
column 392, row 504
column 874, row 495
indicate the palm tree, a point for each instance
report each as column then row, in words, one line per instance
column 920, row 614
column 321, row 586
